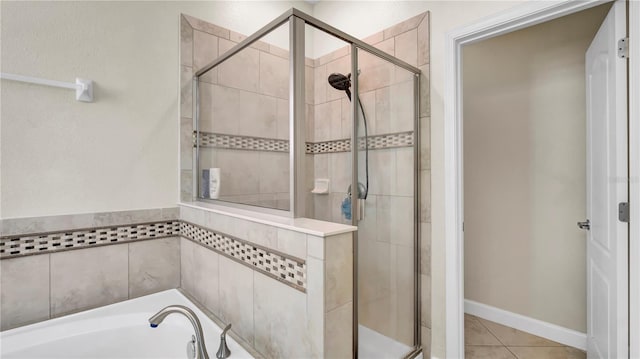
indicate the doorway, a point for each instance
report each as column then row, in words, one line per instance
column 615, row 186
column 524, row 109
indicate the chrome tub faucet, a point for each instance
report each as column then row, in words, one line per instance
column 201, row 349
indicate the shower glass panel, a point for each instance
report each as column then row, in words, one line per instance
column 387, row 127
column 329, row 128
column 243, row 124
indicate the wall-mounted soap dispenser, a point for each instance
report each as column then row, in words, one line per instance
column 214, row 183
column 210, row 183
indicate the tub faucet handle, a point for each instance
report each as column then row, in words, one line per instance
column 223, row 350
column 225, row 330
column 191, row 348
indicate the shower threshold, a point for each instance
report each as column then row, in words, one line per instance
column 378, row 346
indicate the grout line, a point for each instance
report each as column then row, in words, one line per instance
column 218, row 289
column 180, row 239
column 512, row 353
column 128, row 271
column 493, row 334
column 490, row 332
column 260, row 78
column 543, row 346
column 245, row 90
column 253, row 306
column 400, row 33
column 50, row 297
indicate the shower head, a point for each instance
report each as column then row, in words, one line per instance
column 341, row 82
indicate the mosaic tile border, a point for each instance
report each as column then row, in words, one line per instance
column 247, row 143
column 282, row 267
column 48, row 242
column 376, row 142
column 334, row 146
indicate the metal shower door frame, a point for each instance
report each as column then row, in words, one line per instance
column 297, row 21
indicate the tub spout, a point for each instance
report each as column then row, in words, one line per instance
column 223, row 350
column 156, row 319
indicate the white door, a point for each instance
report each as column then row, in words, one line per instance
column 607, row 181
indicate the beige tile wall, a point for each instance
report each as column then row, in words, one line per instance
column 16, row 226
column 247, row 95
column 39, row 287
column 275, row 319
column 43, row 286
column 424, row 64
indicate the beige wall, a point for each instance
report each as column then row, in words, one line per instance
column 120, row 152
column 524, row 168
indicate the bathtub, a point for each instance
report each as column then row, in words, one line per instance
column 116, row 331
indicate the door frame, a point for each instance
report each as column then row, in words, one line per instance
column 519, row 17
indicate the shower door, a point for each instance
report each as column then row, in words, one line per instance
column 387, row 244
column 361, row 154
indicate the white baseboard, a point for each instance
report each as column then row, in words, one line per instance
column 537, row 327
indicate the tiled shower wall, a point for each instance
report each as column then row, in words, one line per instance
column 53, row 266
column 244, row 115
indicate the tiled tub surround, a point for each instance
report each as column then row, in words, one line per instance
column 19, row 226
column 117, row 331
column 43, row 286
column 37, row 287
column 279, row 320
column 40, row 243
column 285, row 268
column 257, row 276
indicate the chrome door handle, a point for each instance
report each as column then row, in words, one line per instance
column 586, row 225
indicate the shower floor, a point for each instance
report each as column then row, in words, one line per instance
column 375, row 345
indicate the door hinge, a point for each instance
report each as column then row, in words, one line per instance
column 623, row 48
column 194, row 139
column 623, row 212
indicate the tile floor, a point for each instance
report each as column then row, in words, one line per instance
column 488, row 340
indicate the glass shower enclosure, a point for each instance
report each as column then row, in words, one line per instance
column 333, row 136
